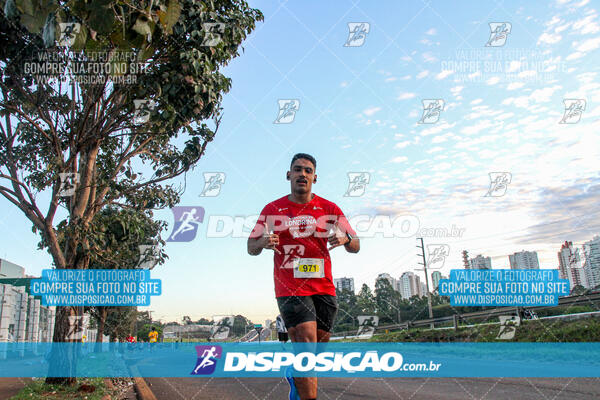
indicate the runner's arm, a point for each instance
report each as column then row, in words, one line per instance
column 353, row 246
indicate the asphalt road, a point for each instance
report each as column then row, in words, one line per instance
column 378, row 388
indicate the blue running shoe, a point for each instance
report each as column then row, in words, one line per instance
column 290, row 379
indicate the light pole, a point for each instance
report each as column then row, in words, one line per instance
column 424, row 264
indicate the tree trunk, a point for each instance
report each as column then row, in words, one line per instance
column 101, row 323
column 62, row 356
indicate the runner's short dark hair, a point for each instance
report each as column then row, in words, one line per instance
column 306, row 157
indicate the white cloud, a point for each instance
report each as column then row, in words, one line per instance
column 399, row 159
column 549, row 38
column 431, row 32
column 435, row 149
column 527, row 74
column 344, row 84
column 437, row 128
column 562, row 27
column 493, row 80
column 504, row 116
column 555, row 20
column 478, row 127
column 391, row 79
column 429, row 57
column 370, row 111
column 474, row 75
column 587, row 24
column 544, row 95
column 442, row 138
column 476, row 101
column 444, row 74
column 515, row 85
column 441, row 166
column 422, row 74
column 574, row 56
column 513, row 66
column 456, row 90
column 588, row 45
column 401, row 145
column 406, row 96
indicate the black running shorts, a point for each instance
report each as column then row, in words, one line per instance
column 298, row 309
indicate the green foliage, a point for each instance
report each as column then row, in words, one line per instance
column 387, row 300
column 583, row 330
column 86, row 127
column 347, row 303
column 144, row 330
column 365, row 301
column 38, row 390
column 53, row 127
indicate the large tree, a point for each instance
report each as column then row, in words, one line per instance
column 122, row 239
column 387, row 300
column 365, row 301
column 115, row 142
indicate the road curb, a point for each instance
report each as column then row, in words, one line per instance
column 143, row 390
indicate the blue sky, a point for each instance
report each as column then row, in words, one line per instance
column 359, row 108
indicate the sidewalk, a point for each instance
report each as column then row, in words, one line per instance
column 11, row 386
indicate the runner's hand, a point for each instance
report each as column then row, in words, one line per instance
column 270, row 241
column 337, row 239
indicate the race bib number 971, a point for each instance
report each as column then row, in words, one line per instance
column 309, row 268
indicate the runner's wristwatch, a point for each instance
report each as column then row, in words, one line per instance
column 349, row 236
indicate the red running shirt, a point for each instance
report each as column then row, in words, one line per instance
column 303, row 230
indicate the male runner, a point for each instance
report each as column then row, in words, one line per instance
column 303, row 224
column 153, row 335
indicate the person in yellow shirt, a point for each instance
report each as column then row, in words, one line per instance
column 153, row 335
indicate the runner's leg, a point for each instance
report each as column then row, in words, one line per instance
column 299, row 315
column 305, row 332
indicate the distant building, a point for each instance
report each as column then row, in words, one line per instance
column 423, row 291
column 480, row 262
column 344, row 283
column 570, row 265
column 389, row 278
column 409, row 285
column 591, row 250
column 436, row 276
column 524, row 260
column 22, row 317
column 10, row 270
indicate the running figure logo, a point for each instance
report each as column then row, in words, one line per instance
column 498, row 184
column 498, row 34
column 437, row 255
column 207, row 359
column 68, row 183
column 213, row 33
column 291, row 252
column 358, row 33
column 432, row 108
column 357, row 183
column 212, row 184
column 149, row 254
column 508, row 326
column 77, row 325
column 573, row 110
column 287, row 111
column 143, row 109
column 186, row 224
column 68, row 33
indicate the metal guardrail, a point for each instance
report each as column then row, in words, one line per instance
column 484, row 314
